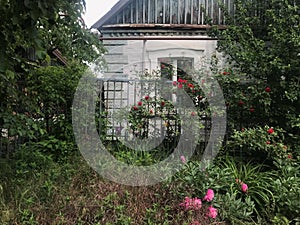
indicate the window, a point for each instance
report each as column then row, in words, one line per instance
column 173, row 68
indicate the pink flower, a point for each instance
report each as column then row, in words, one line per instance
column 174, row 83
column 244, row 187
column 195, row 222
column 182, row 158
column 191, row 203
column 193, row 113
column 209, row 195
column 197, row 203
column 212, row 212
column 180, row 85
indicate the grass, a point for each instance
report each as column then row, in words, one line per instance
column 34, row 189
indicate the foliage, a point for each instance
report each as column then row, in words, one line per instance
column 33, row 94
column 262, row 45
column 227, row 178
column 151, row 107
column 285, row 188
column 234, row 209
column 131, row 156
column 260, row 144
column 258, row 183
column 44, row 25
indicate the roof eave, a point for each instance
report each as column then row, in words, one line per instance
column 113, row 11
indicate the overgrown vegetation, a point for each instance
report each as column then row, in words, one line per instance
column 254, row 180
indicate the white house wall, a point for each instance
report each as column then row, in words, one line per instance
column 129, row 58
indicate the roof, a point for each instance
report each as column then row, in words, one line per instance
column 135, row 14
column 113, row 11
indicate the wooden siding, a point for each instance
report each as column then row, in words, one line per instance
column 199, row 12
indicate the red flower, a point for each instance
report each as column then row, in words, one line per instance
column 241, row 103
column 151, row 111
column 251, row 110
column 180, row 80
column 162, row 104
column 174, row 83
column 180, row 85
column 193, row 113
column 268, row 142
column 289, row 156
column 140, row 103
column 268, row 89
column 162, row 66
column 271, row 131
column 135, row 108
column 146, row 97
column 190, row 85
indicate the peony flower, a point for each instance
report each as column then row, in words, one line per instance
column 146, row 97
column 135, row 108
column 197, row 204
column 140, row 103
column 270, row 131
column 182, row 158
column 180, row 85
column 195, row 222
column 244, row 187
column 191, row 203
column 212, row 212
column 268, row 89
column 209, row 195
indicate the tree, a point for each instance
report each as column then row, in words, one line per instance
column 262, row 42
column 30, row 30
column 43, row 25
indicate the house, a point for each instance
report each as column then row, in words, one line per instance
column 166, row 38
column 157, row 34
